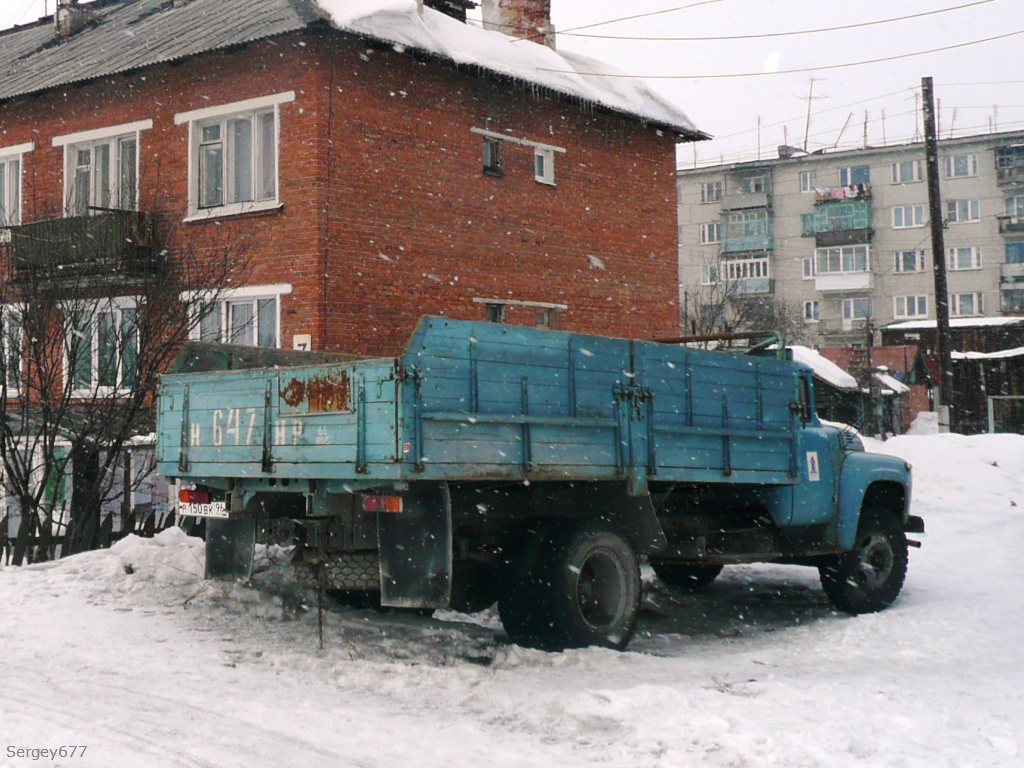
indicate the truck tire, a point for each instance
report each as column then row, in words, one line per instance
column 575, row 588
column 870, row 576
column 688, row 577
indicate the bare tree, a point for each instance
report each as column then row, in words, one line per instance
column 95, row 307
column 726, row 307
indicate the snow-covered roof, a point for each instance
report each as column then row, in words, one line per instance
column 958, row 322
column 1001, row 355
column 401, row 23
column 891, row 385
column 823, row 368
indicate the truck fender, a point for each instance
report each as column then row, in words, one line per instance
column 870, row 479
column 634, row 515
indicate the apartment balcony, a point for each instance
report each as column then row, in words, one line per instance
column 108, row 244
column 1010, row 176
column 739, row 200
column 843, row 237
column 839, row 194
column 845, row 282
column 1012, row 274
column 749, row 286
column 746, row 243
column 1010, row 224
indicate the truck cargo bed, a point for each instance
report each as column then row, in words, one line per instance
column 469, row 400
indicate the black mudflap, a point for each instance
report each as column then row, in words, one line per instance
column 416, row 549
column 229, row 547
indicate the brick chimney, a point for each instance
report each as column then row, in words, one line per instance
column 529, row 19
column 69, row 17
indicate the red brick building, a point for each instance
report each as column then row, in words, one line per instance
column 383, row 163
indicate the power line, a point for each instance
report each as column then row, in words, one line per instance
column 775, row 34
column 639, row 16
column 791, row 71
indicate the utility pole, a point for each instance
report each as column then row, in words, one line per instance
column 931, row 153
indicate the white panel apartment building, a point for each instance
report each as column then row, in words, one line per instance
column 843, row 238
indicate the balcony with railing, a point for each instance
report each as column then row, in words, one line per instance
column 744, row 231
column 746, row 277
column 1010, row 165
column 108, row 244
column 1012, row 273
column 839, row 222
column 1010, row 224
column 748, row 190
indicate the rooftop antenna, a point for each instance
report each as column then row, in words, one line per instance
column 843, row 130
column 917, row 119
column 758, row 137
column 883, row 128
column 865, row 129
column 810, row 99
column 995, row 118
column 952, row 122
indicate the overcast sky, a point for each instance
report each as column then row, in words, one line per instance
column 977, row 85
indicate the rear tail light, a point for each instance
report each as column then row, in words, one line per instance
column 392, row 504
column 193, row 496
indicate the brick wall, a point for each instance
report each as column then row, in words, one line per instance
column 386, row 212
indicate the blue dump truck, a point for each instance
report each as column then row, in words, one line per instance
column 531, row 468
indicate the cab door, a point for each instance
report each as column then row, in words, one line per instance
column 814, row 492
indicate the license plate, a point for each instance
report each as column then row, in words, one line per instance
column 210, row 509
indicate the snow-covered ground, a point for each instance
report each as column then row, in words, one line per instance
column 129, row 653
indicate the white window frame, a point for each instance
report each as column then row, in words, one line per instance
column 849, row 304
column 544, row 165
column 918, row 216
column 197, row 119
column 972, row 165
column 252, row 294
column 916, row 172
column 1013, row 206
column 812, row 311
column 919, row 261
column 711, row 192
column 733, row 269
column 977, row 301
column 12, row 158
column 809, row 265
column 5, row 340
column 910, row 307
column 806, row 181
column 111, row 136
column 709, row 274
column 954, row 254
column 94, row 310
column 963, row 211
column 710, row 233
column 844, row 252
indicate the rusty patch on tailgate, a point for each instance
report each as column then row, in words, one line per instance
column 322, row 393
column 294, row 393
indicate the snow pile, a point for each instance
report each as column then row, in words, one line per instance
column 399, row 22
column 925, row 423
column 756, row 671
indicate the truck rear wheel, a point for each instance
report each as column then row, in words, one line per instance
column 573, row 588
column 688, row 577
column 870, row 576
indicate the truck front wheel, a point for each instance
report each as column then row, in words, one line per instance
column 576, row 588
column 869, row 577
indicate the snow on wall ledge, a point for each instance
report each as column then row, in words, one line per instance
column 399, row 22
